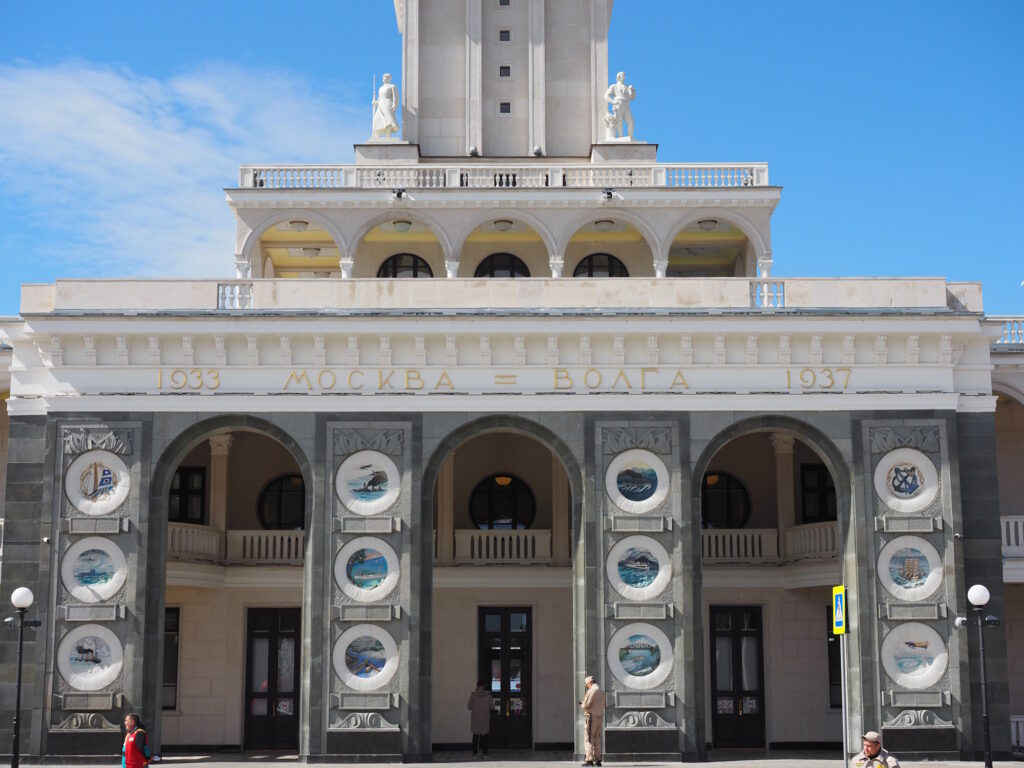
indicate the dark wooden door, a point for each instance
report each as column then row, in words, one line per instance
column 272, row 678
column 737, row 676
column 506, row 636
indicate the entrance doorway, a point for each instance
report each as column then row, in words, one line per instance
column 272, row 678
column 737, row 676
column 504, row 654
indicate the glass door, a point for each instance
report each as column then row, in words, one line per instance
column 737, row 677
column 272, row 679
column 504, row 661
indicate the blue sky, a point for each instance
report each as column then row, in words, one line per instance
column 894, row 127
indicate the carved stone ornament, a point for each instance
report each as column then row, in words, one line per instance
column 363, row 721
column 890, row 438
column 386, row 441
column 119, row 441
column 85, row 721
column 641, row 720
column 918, row 718
column 619, row 439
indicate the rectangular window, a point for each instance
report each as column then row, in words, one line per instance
column 504, row 35
column 504, row 70
column 172, row 622
column 835, row 670
column 186, row 502
column 504, row 107
column 817, row 494
column 504, row 3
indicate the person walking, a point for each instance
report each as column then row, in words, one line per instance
column 873, row 756
column 593, row 718
column 135, row 751
column 479, row 706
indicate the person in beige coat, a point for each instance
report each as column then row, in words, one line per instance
column 479, row 707
column 593, row 719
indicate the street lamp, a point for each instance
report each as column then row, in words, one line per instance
column 22, row 599
column 978, row 596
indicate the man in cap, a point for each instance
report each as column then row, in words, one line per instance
column 873, row 756
column 593, row 716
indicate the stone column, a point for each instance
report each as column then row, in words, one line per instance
column 446, row 512
column 451, row 268
column 560, row 511
column 782, row 447
column 557, row 263
column 220, row 449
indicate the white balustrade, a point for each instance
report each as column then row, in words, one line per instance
column 817, row 540
column 266, row 547
column 484, row 176
column 740, row 545
column 502, row 547
column 1013, row 332
column 194, row 542
column 767, row 293
column 1013, row 536
column 234, row 295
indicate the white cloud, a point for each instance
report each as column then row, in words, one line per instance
column 122, row 174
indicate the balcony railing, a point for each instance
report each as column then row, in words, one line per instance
column 1013, row 536
column 200, row 542
column 502, row 547
column 1013, row 332
column 769, row 545
column 488, row 176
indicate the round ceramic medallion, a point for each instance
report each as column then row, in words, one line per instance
column 640, row 656
column 637, row 481
column 366, row 569
column 90, row 657
column 638, row 567
column 909, row 568
column 906, row 480
column 97, row 482
column 93, row 569
column 367, row 482
column 365, row 657
column 914, row 656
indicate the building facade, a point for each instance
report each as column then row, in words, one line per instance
column 509, row 400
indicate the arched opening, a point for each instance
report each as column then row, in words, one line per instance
column 501, row 265
column 608, row 247
column 503, row 591
column 711, row 247
column 504, row 247
column 399, row 248
column 768, row 507
column 297, row 248
column 236, row 507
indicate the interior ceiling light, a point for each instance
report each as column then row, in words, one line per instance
column 711, row 479
column 503, row 225
column 401, row 225
column 708, row 224
column 298, row 225
column 604, row 225
column 311, row 252
column 503, row 480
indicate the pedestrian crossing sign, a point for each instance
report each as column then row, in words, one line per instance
column 839, row 610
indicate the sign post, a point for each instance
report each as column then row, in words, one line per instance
column 839, row 624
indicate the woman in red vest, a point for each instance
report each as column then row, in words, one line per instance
column 135, row 752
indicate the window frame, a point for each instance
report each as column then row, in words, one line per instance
column 418, row 264
column 266, row 487
column 733, row 483
column 824, row 492
column 184, row 492
column 176, row 685
column 492, row 258
column 518, row 486
column 588, row 262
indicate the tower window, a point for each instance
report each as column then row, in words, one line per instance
column 504, row 107
column 504, row 70
column 504, row 35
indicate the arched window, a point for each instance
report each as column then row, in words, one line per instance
column 600, row 265
column 724, row 501
column 502, row 502
column 282, row 504
column 502, row 265
column 405, row 265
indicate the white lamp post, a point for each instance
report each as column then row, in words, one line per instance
column 978, row 596
column 22, row 599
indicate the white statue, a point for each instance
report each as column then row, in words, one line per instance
column 384, row 104
column 619, row 95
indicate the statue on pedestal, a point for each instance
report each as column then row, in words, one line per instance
column 385, row 103
column 619, row 95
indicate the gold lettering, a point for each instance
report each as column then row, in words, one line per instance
column 412, row 377
column 382, row 379
column 643, row 376
column 587, row 379
column 350, row 375
column 330, row 377
column 680, row 381
column 562, row 379
column 298, row 377
column 444, row 381
column 622, row 376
